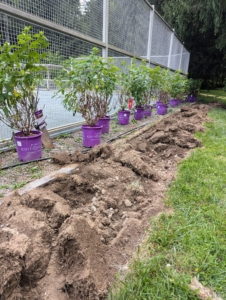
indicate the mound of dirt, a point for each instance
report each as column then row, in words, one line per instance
column 68, row 239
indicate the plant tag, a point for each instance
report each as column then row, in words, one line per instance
column 38, row 114
column 42, row 125
column 40, row 119
column 19, row 143
column 130, row 103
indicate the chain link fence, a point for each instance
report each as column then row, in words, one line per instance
column 121, row 29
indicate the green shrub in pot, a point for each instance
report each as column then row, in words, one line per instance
column 122, row 91
column 178, row 84
column 20, row 75
column 193, row 86
column 88, row 85
column 153, row 83
column 138, row 83
column 164, row 86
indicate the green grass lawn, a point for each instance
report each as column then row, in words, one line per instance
column 191, row 241
column 212, row 95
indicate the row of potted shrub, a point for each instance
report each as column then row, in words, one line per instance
column 86, row 83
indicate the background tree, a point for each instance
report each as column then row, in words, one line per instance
column 202, row 26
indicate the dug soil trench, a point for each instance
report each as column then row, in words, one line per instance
column 68, row 239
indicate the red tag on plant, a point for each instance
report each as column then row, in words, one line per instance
column 130, row 103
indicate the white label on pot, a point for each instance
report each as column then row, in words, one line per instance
column 95, row 136
column 33, row 148
column 19, row 143
column 125, row 115
column 40, row 120
column 135, row 110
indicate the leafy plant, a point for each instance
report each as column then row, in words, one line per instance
column 123, row 91
column 4, row 186
column 88, row 86
column 64, row 136
column 17, row 185
column 34, row 169
column 20, row 74
column 38, row 174
column 2, row 172
column 79, row 139
column 164, row 86
column 194, row 86
column 138, row 83
column 134, row 121
column 178, row 84
column 153, row 83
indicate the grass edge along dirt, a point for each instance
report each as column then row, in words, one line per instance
column 190, row 242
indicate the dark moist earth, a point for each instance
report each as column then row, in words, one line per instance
column 68, row 239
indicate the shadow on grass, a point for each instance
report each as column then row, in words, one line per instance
column 212, row 96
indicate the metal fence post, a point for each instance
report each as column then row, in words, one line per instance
column 151, row 22
column 170, row 49
column 105, row 28
column 181, row 55
column 48, row 79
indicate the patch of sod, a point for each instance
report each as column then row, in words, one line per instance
column 190, row 241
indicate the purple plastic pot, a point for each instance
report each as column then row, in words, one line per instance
column 147, row 110
column 194, row 98
column 138, row 113
column 162, row 109
column 104, row 123
column 188, row 99
column 91, row 136
column 123, row 117
column 191, row 98
column 158, row 103
column 28, row 147
column 179, row 101
column 173, row 102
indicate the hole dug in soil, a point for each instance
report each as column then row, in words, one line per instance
column 68, row 239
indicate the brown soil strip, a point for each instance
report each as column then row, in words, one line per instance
column 68, row 238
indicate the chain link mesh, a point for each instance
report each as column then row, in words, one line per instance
column 175, row 54
column 81, row 15
column 129, row 25
column 160, row 45
column 128, row 30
